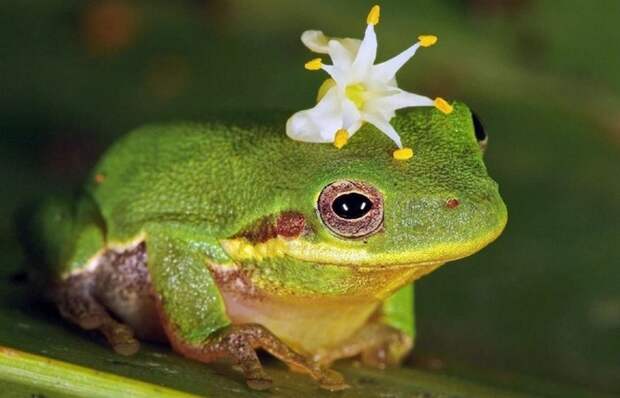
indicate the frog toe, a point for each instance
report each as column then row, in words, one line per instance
column 240, row 342
column 121, row 339
column 332, row 381
column 260, row 383
column 377, row 345
column 391, row 348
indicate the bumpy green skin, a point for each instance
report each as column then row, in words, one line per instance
column 186, row 187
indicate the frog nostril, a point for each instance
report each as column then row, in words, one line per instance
column 452, row 203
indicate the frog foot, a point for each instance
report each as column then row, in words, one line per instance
column 76, row 302
column 240, row 342
column 378, row 346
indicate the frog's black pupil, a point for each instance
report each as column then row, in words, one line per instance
column 351, row 205
column 481, row 135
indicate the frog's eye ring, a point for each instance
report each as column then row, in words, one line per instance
column 351, row 209
column 481, row 135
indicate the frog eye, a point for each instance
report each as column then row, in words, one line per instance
column 481, row 135
column 351, row 209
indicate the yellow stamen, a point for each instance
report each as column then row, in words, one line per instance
column 341, row 138
column 314, row 64
column 403, row 154
column 373, row 15
column 443, row 105
column 327, row 84
column 427, row 40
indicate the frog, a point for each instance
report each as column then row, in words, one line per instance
column 226, row 238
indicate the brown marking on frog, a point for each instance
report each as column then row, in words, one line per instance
column 236, row 281
column 452, row 203
column 288, row 224
column 99, row 178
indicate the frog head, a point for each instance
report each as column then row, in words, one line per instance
column 359, row 208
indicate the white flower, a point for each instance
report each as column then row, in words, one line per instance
column 358, row 90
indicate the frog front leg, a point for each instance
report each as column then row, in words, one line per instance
column 195, row 320
column 385, row 339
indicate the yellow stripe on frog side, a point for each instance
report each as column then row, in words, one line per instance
column 242, row 249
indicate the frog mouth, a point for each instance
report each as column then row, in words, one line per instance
column 364, row 262
column 359, row 257
column 433, row 255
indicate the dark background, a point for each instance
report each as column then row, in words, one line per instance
column 544, row 75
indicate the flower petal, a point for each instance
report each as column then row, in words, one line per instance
column 351, row 116
column 338, row 74
column 397, row 99
column 352, row 45
column 318, row 124
column 316, row 41
column 385, row 126
column 366, row 54
column 340, row 55
column 387, row 70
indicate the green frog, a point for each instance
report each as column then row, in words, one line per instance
column 227, row 238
